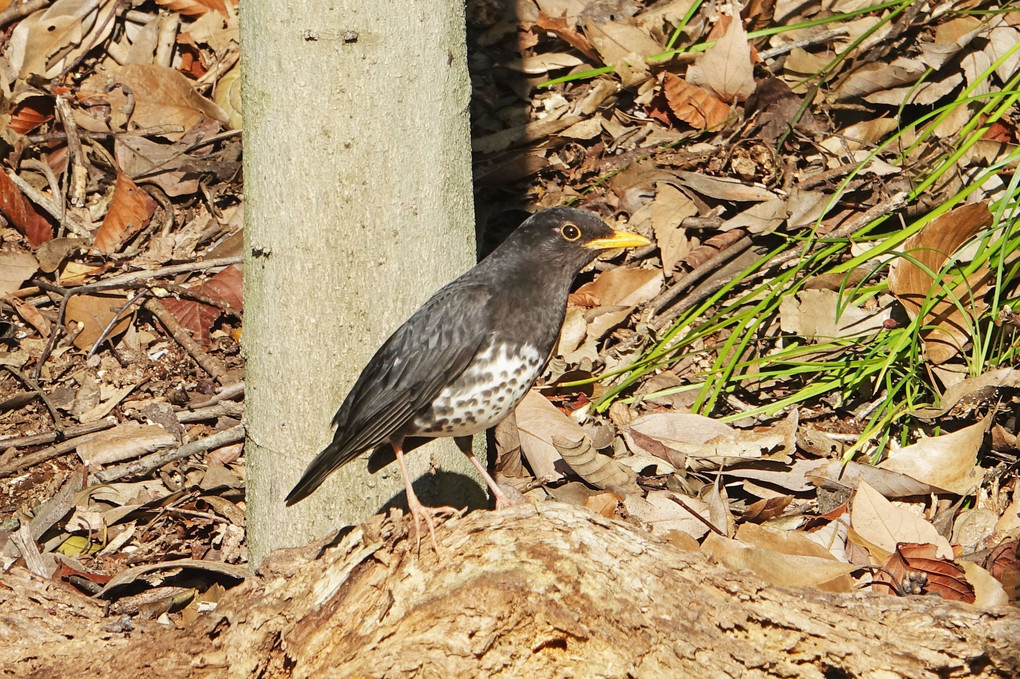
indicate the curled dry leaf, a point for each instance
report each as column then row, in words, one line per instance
column 916, row 568
column 693, row 105
column 601, row 471
column 31, row 316
column 198, row 317
column 566, row 32
column 49, row 40
column 538, row 421
column 130, row 210
column 930, row 248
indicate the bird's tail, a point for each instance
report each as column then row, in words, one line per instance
column 324, row 464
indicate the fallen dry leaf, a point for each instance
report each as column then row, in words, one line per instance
column 660, row 515
column 783, row 569
column 15, row 268
column 163, row 96
column 123, row 442
column 948, row 461
column 47, row 41
column 916, row 569
column 130, row 210
column 600, row 471
column 199, row 317
column 22, row 214
column 693, row 105
column 95, row 312
column 882, row 525
column 725, row 69
column 538, row 421
column 931, row 247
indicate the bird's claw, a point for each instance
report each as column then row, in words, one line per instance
column 420, row 512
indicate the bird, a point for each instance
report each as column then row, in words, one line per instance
column 463, row 361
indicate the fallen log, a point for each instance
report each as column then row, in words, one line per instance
column 533, row 591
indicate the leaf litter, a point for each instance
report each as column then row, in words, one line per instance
column 706, row 130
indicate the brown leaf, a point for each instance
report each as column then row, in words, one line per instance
column 931, row 247
column 130, row 210
column 30, row 113
column 15, row 268
column 47, row 41
column 95, row 312
column 601, row 471
column 565, row 32
column 605, row 504
column 198, row 317
column 22, row 214
column 915, row 568
column 163, row 96
column 693, row 105
column 725, row 68
column 1003, row 562
column 758, row 13
column 31, row 315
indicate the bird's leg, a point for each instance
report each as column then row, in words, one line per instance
column 464, row 444
column 414, row 505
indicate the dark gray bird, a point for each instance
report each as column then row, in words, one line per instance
column 463, row 361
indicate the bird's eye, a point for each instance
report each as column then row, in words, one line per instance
column 570, row 232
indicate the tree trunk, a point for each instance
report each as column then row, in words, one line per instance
column 533, row 591
column 358, row 207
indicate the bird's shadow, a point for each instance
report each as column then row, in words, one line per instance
column 437, row 489
column 443, row 488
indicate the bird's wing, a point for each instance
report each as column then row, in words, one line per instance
column 428, row 352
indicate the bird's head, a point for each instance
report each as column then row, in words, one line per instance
column 569, row 238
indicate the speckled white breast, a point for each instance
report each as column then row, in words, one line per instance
column 487, row 391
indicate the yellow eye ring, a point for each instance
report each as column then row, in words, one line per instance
column 570, row 232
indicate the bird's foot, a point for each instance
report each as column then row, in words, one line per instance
column 420, row 512
column 503, row 500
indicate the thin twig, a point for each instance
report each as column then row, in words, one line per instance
column 83, row 432
column 112, row 284
column 180, row 334
column 33, row 386
column 150, row 463
column 665, row 298
column 75, row 434
column 113, row 321
column 19, row 11
column 803, row 42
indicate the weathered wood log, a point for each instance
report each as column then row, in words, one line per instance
column 533, row 591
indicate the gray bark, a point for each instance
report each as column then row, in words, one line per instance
column 358, row 207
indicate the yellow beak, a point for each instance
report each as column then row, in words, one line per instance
column 620, row 239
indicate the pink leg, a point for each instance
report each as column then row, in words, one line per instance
column 417, row 509
column 464, row 444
